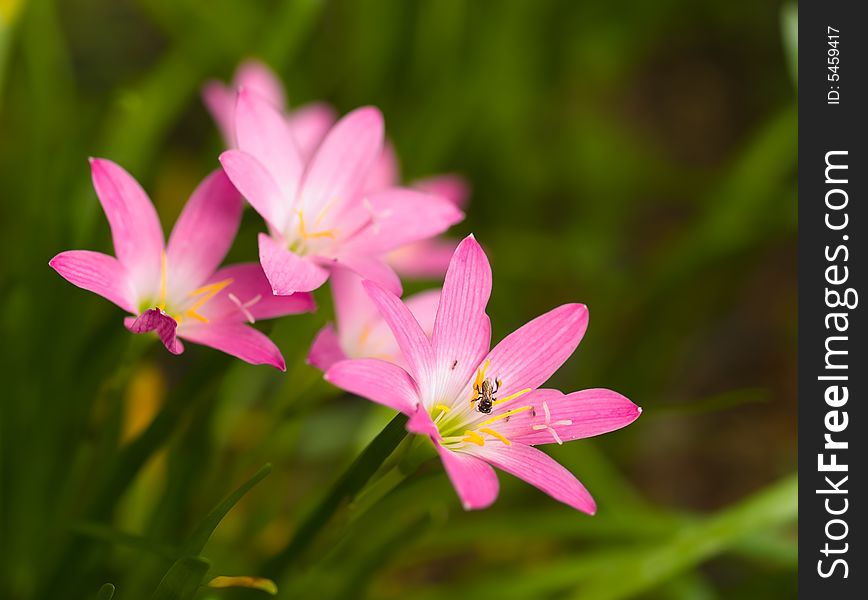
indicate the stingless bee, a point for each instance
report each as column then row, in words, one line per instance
column 485, row 395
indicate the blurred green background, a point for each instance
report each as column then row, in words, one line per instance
column 639, row 157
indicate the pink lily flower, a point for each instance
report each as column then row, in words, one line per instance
column 317, row 211
column 309, row 123
column 360, row 331
column 177, row 290
column 481, row 407
column 424, row 259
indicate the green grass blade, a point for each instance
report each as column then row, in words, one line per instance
column 182, row 580
column 345, row 488
column 771, row 507
column 203, row 531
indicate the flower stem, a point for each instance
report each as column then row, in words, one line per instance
column 344, row 489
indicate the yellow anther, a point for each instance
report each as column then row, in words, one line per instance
column 493, row 433
column 512, row 396
column 505, row 415
column 474, row 438
column 206, row 292
column 480, row 375
column 161, row 301
column 442, row 407
column 316, row 234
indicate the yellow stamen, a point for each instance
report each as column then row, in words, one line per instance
column 161, row 304
column 206, row 292
column 325, row 210
column 512, row 396
column 317, row 234
column 474, row 437
column 505, row 415
column 493, row 433
column 442, row 407
column 480, row 375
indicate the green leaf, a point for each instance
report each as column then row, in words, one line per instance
column 771, row 507
column 182, row 580
column 122, row 538
column 790, row 34
column 106, row 592
column 344, row 489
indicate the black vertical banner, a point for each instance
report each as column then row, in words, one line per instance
column 833, row 225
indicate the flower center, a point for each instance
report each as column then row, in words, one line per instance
column 461, row 423
column 306, row 239
column 200, row 297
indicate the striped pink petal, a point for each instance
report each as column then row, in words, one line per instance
column 203, row 234
column 556, row 417
column 414, row 344
column 97, row 273
column 538, row 469
column 136, row 231
column 377, row 380
column 474, row 480
column 160, row 323
column 287, row 272
column 527, row 357
column 238, row 340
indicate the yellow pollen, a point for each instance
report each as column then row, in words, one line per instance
column 311, row 235
column 206, row 292
column 512, row 396
column 364, row 334
column 508, row 413
column 442, row 407
column 161, row 303
column 480, row 374
column 474, row 437
column 493, row 433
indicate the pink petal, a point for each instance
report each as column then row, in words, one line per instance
column 425, row 259
column 473, row 479
column 452, row 187
column 287, row 272
column 255, row 75
column 378, row 381
column 414, row 344
column 353, row 307
column 136, row 231
column 424, row 307
column 538, row 469
column 250, row 295
column 325, row 350
column 263, row 133
column 236, row 339
column 249, row 176
column 203, row 234
column 385, row 172
column 219, row 99
column 527, row 357
column 160, row 323
column 373, row 269
column 340, row 165
column 571, row 417
column 399, row 216
column 462, row 330
column 97, row 273
column 310, row 124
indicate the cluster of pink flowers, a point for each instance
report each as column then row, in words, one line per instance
column 329, row 192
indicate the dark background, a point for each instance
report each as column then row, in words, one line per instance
column 639, row 157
